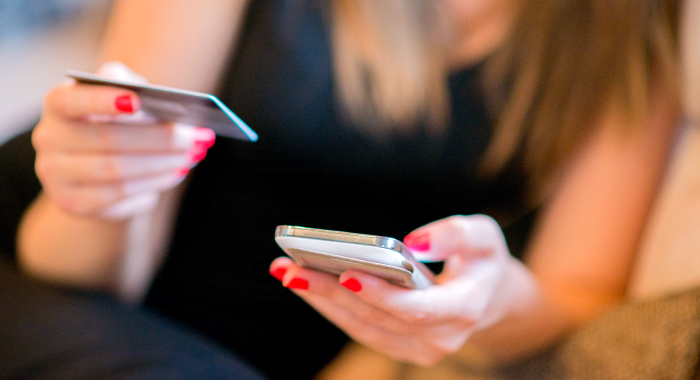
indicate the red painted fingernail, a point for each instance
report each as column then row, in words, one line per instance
column 298, row 283
column 418, row 242
column 204, row 137
column 124, row 103
column 197, row 154
column 203, row 144
column 352, row 284
column 181, row 172
column 278, row 273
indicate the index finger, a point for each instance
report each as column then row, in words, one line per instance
column 122, row 138
column 458, row 298
column 74, row 100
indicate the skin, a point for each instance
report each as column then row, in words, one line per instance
column 578, row 262
column 690, row 55
column 488, row 302
column 161, row 42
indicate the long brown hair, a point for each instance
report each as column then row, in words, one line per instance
column 564, row 63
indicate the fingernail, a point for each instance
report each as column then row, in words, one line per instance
column 298, row 283
column 352, row 284
column 278, row 273
column 204, row 137
column 181, row 172
column 418, row 242
column 124, row 103
column 197, row 154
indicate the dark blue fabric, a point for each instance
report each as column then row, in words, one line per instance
column 310, row 168
column 49, row 333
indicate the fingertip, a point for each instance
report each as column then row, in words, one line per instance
column 297, row 283
column 278, row 273
column 418, row 241
column 204, row 137
column 191, row 138
column 357, row 280
column 279, row 266
column 80, row 100
column 182, row 172
column 197, row 154
column 353, row 284
column 127, row 103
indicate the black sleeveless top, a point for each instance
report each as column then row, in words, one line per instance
column 309, row 168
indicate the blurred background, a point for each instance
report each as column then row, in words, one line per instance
column 39, row 40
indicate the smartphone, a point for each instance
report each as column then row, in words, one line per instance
column 179, row 106
column 335, row 252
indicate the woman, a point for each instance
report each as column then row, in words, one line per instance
column 372, row 118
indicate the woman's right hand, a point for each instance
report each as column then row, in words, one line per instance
column 96, row 157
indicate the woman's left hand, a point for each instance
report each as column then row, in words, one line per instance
column 420, row 326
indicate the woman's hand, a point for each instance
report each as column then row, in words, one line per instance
column 420, row 326
column 96, row 156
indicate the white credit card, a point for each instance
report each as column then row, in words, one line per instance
column 179, row 106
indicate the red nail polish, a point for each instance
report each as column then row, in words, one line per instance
column 352, row 284
column 124, row 103
column 205, row 145
column 418, row 242
column 197, row 154
column 204, row 137
column 181, row 172
column 278, row 273
column 298, row 283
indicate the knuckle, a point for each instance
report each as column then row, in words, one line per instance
column 448, row 347
column 460, row 224
column 474, row 314
column 106, row 136
column 380, row 318
column 109, row 169
column 41, row 137
column 369, row 336
column 41, row 167
column 383, row 319
column 67, row 201
column 455, row 220
column 486, row 221
column 427, row 360
column 118, row 190
column 370, row 314
column 75, row 200
column 417, row 317
column 57, row 101
column 418, row 314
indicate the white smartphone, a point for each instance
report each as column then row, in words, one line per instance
column 335, row 252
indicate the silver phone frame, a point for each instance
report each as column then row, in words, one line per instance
column 345, row 237
column 358, row 238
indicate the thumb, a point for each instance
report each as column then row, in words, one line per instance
column 118, row 70
column 469, row 237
